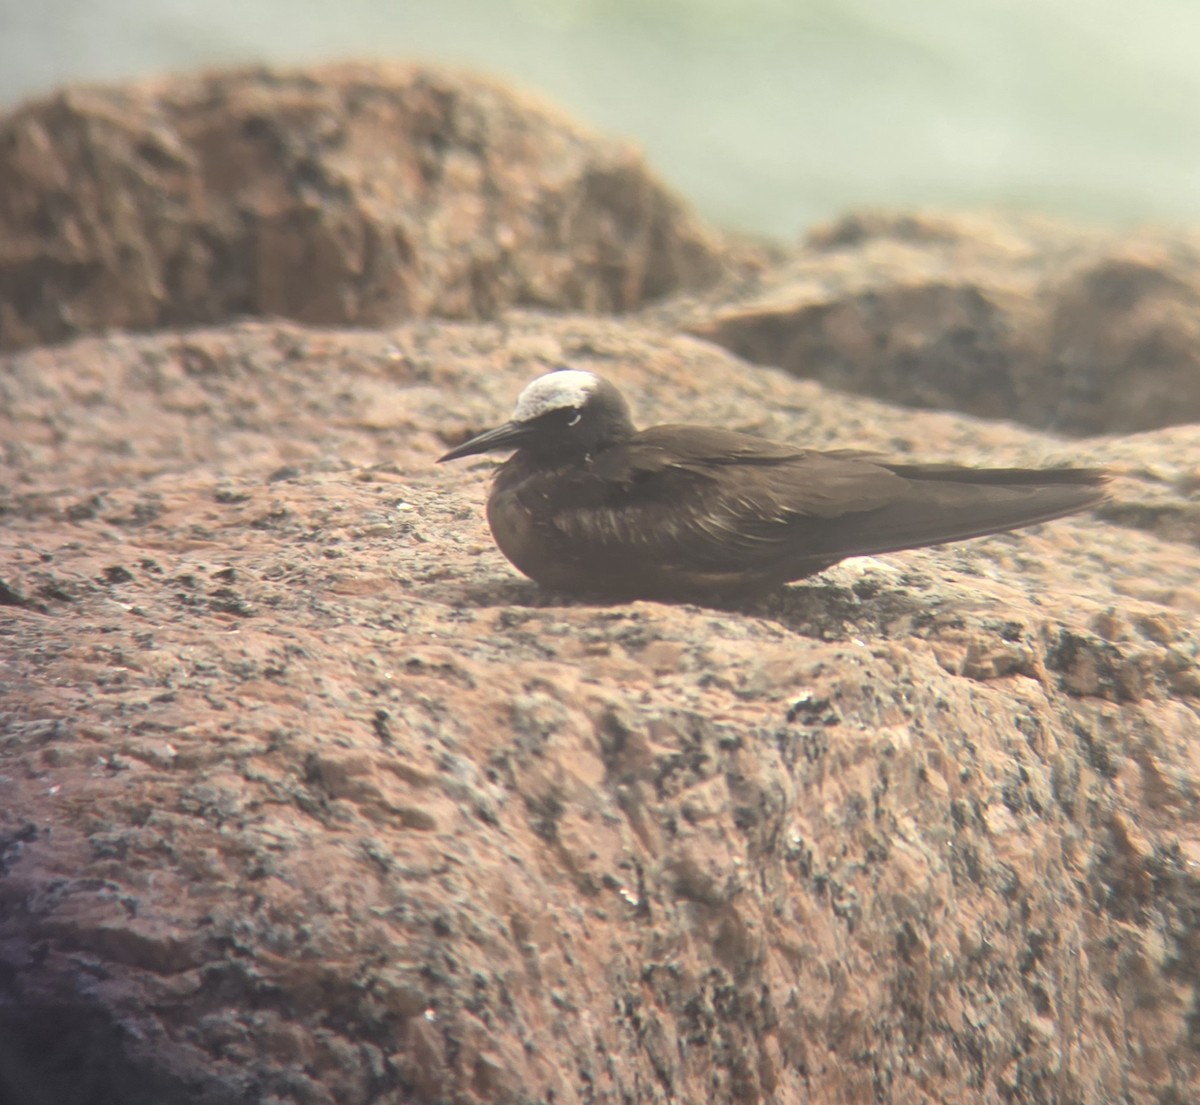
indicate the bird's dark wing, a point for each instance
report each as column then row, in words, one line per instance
column 712, row 500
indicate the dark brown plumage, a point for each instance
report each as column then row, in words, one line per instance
column 589, row 505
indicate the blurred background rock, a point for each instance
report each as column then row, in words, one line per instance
column 769, row 114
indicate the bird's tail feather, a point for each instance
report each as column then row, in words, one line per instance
column 950, row 504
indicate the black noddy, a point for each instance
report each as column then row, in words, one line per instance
column 590, row 505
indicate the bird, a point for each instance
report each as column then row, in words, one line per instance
column 588, row 505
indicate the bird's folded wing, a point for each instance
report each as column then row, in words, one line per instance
column 732, row 500
column 710, row 498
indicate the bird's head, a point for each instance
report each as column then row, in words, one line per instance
column 562, row 414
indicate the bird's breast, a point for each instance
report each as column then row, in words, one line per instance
column 521, row 511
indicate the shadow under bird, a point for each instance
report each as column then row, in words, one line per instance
column 589, row 505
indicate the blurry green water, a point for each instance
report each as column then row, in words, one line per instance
column 768, row 115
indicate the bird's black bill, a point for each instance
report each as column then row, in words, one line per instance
column 508, row 436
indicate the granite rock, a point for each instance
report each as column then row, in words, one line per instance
column 354, row 193
column 306, row 797
column 1072, row 329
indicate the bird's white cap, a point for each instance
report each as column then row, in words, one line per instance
column 567, row 389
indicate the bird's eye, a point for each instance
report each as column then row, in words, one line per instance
column 575, row 421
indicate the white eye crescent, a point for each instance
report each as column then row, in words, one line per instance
column 575, row 421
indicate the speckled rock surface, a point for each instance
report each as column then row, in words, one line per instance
column 306, row 797
column 354, row 193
